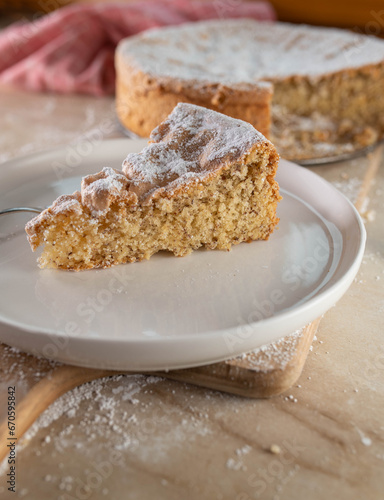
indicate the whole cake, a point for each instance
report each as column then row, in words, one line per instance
column 327, row 84
column 204, row 180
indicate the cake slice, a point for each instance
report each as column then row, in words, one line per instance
column 204, row 180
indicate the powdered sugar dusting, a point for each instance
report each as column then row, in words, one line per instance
column 272, row 356
column 156, row 162
column 245, row 51
column 192, row 143
column 350, row 187
column 113, row 180
column 66, row 204
column 98, row 191
column 115, row 414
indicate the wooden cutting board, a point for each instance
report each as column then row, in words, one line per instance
column 263, row 373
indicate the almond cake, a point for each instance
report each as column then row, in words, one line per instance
column 204, row 180
column 321, row 87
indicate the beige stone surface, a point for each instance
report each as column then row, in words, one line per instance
column 137, row 438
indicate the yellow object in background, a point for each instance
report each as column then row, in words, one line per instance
column 362, row 16
column 365, row 17
column 41, row 6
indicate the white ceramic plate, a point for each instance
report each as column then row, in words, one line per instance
column 171, row 312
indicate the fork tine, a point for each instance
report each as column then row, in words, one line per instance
column 36, row 210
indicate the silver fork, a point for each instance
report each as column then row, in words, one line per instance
column 35, row 210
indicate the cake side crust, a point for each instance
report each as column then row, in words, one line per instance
column 143, row 101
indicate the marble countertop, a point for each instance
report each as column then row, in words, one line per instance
column 135, row 437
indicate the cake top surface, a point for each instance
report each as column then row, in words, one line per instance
column 191, row 144
column 244, row 51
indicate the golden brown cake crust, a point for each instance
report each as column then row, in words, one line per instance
column 142, row 102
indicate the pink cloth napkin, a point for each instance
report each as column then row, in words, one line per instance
column 72, row 49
